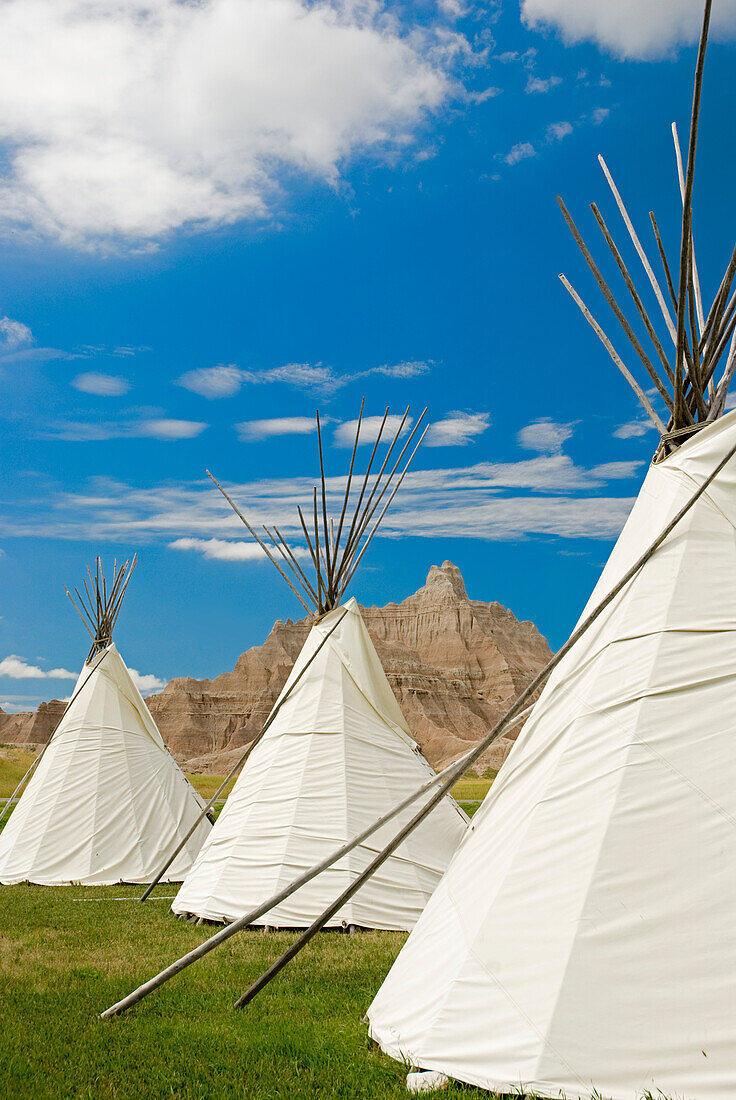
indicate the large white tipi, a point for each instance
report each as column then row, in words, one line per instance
column 336, row 750
column 583, row 942
column 583, row 937
column 106, row 802
column 337, row 755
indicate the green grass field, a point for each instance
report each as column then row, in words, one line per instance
column 63, row 960
column 67, row 953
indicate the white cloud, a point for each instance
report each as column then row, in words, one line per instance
column 616, row 471
column 455, row 9
column 600, row 114
column 103, row 385
column 302, row 376
column 630, row 28
column 170, row 429
column 545, row 436
column 344, row 435
column 226, row 381
column 523, row 150
column 19, row 669
column 410, row 369
column 104, row 509
column 146, row 682
column 536, row 86
column 13, row 334
column 126, row 119
column 457, row 429
column 231, row 550
column 220, row 381
column 634, row 429
column 253, row 430
column 556, row 131
column 90, row 432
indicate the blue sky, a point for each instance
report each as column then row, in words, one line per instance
column 218, row 217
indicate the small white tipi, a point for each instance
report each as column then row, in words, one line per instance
column 107, row 802
column 337, row 755
column 583, row 940
column 337, row 751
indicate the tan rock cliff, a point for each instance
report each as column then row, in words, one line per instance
column 454, row 663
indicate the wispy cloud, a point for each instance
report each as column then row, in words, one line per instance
column 16, row 668
column 545, row 494
column 457, row 429
column 523, row 150
column 78, row 431
column 634, row 429
column 535, row 85
column 545, row 435
column 102, row 385
column 600, row 114
column 250, row 431
column 344, row 435
column 556, row 131
column 14, row 334
column 231, row 550
column 18, row 346
column 223, row 380
column 227, row 380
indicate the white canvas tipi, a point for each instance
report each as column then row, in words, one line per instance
column 583, row 942
column 107, row 802
column 583, row 937
column 337, row 755
column 336, row 749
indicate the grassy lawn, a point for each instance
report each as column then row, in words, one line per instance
column 62, row 960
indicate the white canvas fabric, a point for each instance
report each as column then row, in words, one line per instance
column 584, row 936
column 107, row 803
column 336, row 757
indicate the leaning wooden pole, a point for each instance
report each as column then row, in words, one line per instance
column 481, row 747
column 239, row 763
column 253, row 915
column 686, row 236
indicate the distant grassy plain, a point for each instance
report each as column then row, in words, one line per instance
column 15, row 761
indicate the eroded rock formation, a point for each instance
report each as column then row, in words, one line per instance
column 454, row 663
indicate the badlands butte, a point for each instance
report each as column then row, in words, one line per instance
column 455, row 665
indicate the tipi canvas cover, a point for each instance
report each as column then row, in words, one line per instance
column 107, row 803
column 336, row 756
column 584, row 936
